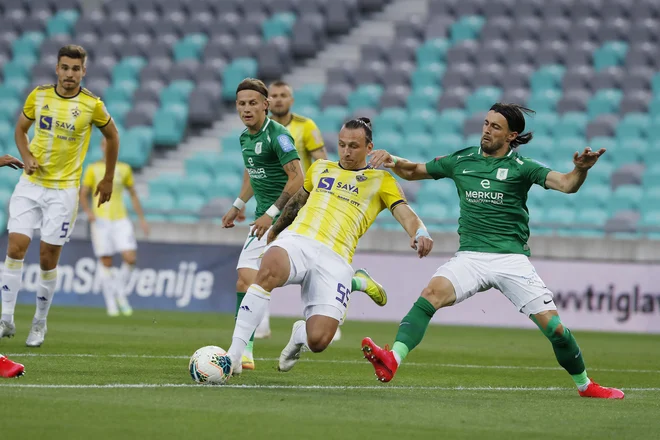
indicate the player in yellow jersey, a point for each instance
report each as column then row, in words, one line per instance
column 112, row 231
column 310, row 146
column 324, row 220
column 46, row 196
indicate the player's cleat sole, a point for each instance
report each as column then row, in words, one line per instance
column 383, row 360
column 247, row 362
column 374, row 290
column 7, row 329
column 37, row 335
column 9, row 368
column 291, row 352
column 599, row 392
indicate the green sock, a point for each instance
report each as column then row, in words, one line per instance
column 413, row 327
column 239, row 299
column 358, row 284
column 566, row 350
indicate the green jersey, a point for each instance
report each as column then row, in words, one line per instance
column 493, row 198
column 265, row 153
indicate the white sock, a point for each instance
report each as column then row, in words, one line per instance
column 11, row 284
column 45, row 292
column 250, row 313
column 397, row 357
column 265, row 321
column 123, row 277
column 361, row 284
column 108, row 289
column 300, row 336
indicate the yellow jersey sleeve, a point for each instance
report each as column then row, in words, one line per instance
column 88, row 178
column 100, row 117
column 309, row 182
column 312, row 138
column 391, row 193
column 128, row 178
column 30, row 104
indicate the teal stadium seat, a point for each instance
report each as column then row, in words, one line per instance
column 544, row 100
column 650, row 199
column 27, row 43
column 118, row 110
column 117, row 93
column 559, row 216
column 651, row 178
column 615, row 154
column 654, row 111
column 365, row 96
column 436, row 70
column 625, row 197
column 190, row 47
column 602, row 172
column 610, row 54
column 421, row 120
column 234, row 73
column 473, row 140
column 227, row 185
column 15, row 69
column 441, row 191
column 572, row 124
column 157, row 205
column 655, row 84
column 231, row 141
column 432, row 51
column 633, row 125
column 309, row 94
column 419, row 143
column 604, row 101
column 542, row 123
column 279, row 25
column 547, row 77
column 651, row 219
column 176, row 92
column 7, row 92
column 62, row 22
column 178, row 111
column 423, row 98
column 449, row 121
column 332, row 119
column 592, row 195
column 482, row 99
column 308, row 111
column 169, row 127
column 544, row 144
column 591, row 216
column 390, row 119
column 128, row 69
column 466, row 28
column 389, row 141
column 9, row 109
column 424, row 78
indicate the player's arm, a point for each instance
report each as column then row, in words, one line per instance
column 420, row 240
column 314, row 141
column 137, row 207
column 111, row 135
column 23, row 143
column 289, row 213
column 319, row 153
column 238, row 206
column 403, row 168
column 569, row 183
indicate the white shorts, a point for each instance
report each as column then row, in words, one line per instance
column 324, row 276
column 512, row 274
column 252, row 252
column 112, row 236
column 52, row 211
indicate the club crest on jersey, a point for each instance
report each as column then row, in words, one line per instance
column 360, row 177
column 257, row 148
column 75, row 112
column 502, row 173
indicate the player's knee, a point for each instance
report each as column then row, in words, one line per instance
column 318, row 341
column 274, row 269
column 130, row 259
column 48, row 256
column 106, row 261
column 16, row 251
column 439, row 296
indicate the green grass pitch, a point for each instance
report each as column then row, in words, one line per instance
column 460, row 383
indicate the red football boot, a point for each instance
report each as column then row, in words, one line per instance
column 9, row 368
column 599, row 392
column 382, row 359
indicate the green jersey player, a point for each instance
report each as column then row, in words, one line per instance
column 272, row 175
column 492, row 182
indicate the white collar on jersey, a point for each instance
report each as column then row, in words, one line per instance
column 508, row 154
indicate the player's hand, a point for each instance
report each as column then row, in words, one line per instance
column 31, row 165
column 261, row 225
column 271, row 236
column 587, row 159
column 10, row 161
column 145, row 227
column 228, row 219
column 104, row 191
column 422, row 243
column 241, row 215
column 380, row 157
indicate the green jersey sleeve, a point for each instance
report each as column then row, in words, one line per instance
column 441, row 166
column 535, row 172
column 284, row 148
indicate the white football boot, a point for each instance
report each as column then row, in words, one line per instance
column 7, row 329
column 37, row 334
column 291, row 352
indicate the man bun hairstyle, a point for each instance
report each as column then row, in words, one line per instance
column 515, row 117
column 363, row 123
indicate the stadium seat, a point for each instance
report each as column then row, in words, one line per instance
column 279, row 25
column 431, row 51
column 611, row 53
column 603, row 102
column 390, row 119
column 422, row 98
column 234, row 73
column 625, row 197
column 365, row 96
column 572, row 124
column 62, row 22
column 466, row 28
column 547, row 77
column 190, row 47
column 482, row 99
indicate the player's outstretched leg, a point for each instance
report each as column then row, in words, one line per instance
column 315, row 335
column 9, row 368
column 363, row 282
column 123, row 277
column 108, row 287
column 263, row 330
column 49, row 257
column 569, row 356
column 439, row 293
column 11, row 281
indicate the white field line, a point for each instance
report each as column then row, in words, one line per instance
column 301, row 387
column 331, row 361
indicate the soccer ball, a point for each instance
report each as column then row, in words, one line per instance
column 210, row 365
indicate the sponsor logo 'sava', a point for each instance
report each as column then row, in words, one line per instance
column 84, row 278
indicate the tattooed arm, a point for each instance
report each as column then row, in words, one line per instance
column 289, row 213
column 295, row 182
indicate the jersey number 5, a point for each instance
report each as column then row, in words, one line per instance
column 65, row 229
